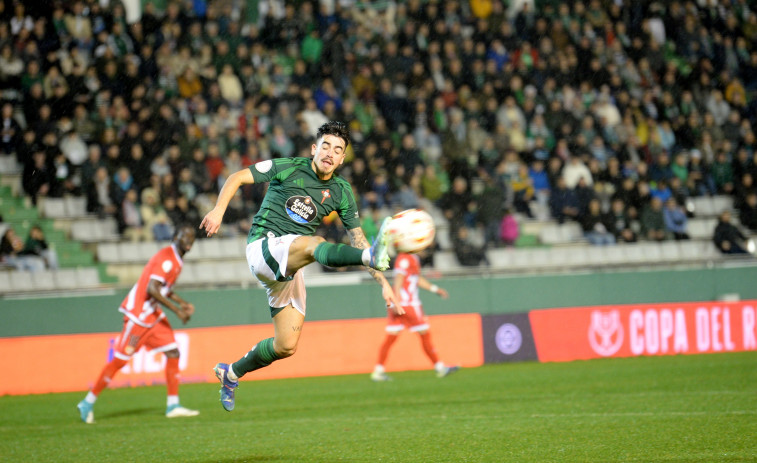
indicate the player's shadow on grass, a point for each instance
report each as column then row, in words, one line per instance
column 251, row 459
column 129, row 412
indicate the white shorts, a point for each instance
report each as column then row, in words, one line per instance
column 267, row 258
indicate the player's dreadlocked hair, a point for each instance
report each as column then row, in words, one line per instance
column 336, row 128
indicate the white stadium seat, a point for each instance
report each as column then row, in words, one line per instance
column 5, row 281
column 21, row 281
column 43, row 280
column 53, row 208
column 109, row 252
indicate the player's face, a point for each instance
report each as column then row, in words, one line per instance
column 185, row 239
column 328, row 154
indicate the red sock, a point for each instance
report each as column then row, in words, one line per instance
column 172, row 375
column 384, row 351
column 107, row 374
column 428, row 347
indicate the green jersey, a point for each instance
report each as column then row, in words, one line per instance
column 297, row 200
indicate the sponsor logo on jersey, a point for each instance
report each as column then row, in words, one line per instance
column 301, row 209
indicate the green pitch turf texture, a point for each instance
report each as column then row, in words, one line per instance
column 699, row 408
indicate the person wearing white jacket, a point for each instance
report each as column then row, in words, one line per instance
column 574, row 170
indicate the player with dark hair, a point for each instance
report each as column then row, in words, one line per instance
column 407, row 281
column 301, row 192
column 146, row 325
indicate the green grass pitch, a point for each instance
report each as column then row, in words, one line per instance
column 700, row 408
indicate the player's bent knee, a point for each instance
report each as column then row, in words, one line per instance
column 312, row 243
column 173, row 353
column 285, row 351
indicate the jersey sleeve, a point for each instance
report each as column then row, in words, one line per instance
column 163, row 267
column 348, row 207
column 265, row 171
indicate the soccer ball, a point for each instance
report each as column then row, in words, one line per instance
column 412, row 230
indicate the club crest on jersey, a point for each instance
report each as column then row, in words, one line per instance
column 301, row 209
column 326, row 194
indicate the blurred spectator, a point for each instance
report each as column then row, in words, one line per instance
column 11, row 253
column 523, row 190
column 468, row 252
column 653, row 221
column 74, row 148
column 230, row 86
column 748, row 211
column 11, row 68
column 65, row 179
column 574, row 170
column 699, row 181
column 130, row 222
column 154, row 216
column 727, row 237
column 490, row 201
column 10, row 130
column 36, row 245
column 597, row 227
column 457, row 204
column 622, row 224
column 281, row 145
column 675, row 219
column 38, row 178
column 187, row 211
column 509, row 229
column 722, row 173
column 563, row 202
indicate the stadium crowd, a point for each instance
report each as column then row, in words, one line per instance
column 609, row 113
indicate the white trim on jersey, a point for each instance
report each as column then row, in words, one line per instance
column 118, row 355
column 178, row 256
column 165, row 348
column 140, row 320
column 395, row 328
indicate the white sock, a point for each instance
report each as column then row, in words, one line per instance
column 367, row 256
column 91, row 398
column 379, row 369
column 231, row 375
column 439, row 366
column 172, row 400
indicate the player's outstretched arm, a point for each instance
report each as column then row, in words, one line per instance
column 428, row 286
column 211, row 223
column 358, row 240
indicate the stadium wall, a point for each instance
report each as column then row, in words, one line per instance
column 545, row 318
column 484, row 295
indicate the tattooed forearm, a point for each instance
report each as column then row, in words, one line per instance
column 358, row 240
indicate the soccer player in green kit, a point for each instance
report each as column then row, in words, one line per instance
column 301, row 192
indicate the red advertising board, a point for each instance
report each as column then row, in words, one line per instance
column 73, row 362
column 644, row 329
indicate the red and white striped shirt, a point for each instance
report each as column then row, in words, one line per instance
column 409, row 265
column 165, row 266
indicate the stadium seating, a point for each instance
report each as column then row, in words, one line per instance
column 67, row 279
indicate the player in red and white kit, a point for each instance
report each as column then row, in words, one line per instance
column 407, row 280
column 145, row 324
